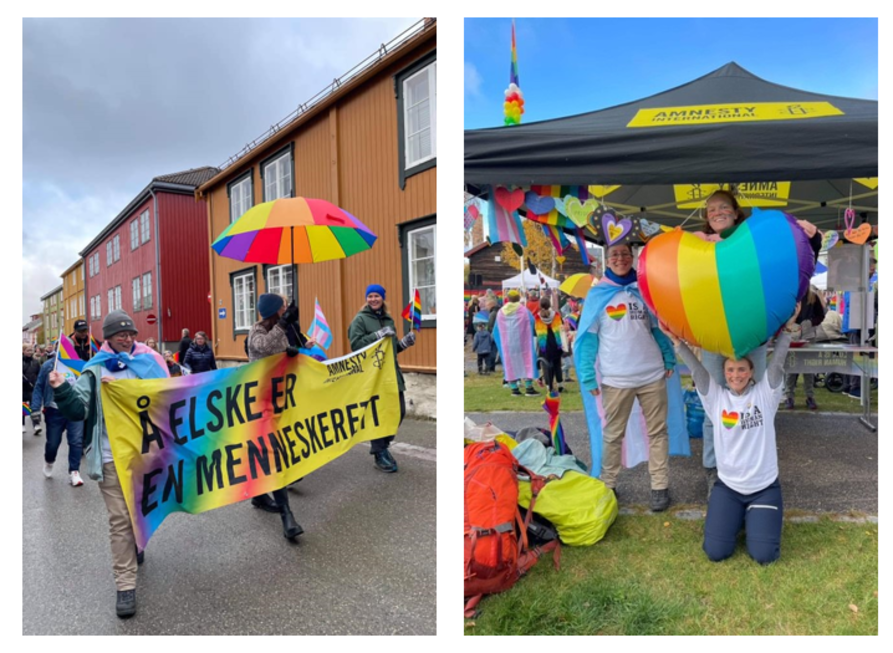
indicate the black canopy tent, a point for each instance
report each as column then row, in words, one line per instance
column 728, row 127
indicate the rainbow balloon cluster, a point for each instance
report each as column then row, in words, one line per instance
column 514, row 105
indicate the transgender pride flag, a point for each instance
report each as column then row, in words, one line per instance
column 319, row 328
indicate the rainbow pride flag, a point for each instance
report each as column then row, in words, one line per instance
column 26, row 409
column 67, row 360
column 413, row 311
column 319, row 328
column 94, row 345
column 552, row 405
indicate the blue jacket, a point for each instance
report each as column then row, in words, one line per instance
column 200, row 358
column 483, row 341
column 43, row 393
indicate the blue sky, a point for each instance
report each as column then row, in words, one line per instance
column 574, row 65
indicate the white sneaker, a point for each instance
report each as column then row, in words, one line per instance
column 48, row 470
column 76, row 479
column 38, row 429
column 24, row 429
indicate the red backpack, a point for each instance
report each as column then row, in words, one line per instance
column 494, row 557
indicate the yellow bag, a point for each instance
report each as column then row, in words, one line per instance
column 580, row 506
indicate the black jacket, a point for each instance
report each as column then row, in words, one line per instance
column 200, row 358
column 184, row 347
column 84, row 350
column 30, row 371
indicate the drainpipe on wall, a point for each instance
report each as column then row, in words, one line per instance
column 157, row 269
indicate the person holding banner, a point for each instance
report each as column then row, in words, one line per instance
column 56, row 423
column 120, row 357
column 269, row 337
column 372, row 323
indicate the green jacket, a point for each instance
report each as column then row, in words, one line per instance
column 81, row 401
column 362, row 332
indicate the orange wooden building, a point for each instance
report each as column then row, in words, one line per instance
column 367, row 143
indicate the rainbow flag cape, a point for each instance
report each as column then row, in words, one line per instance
column 413, row 311
column 26, row 409
column 552, row 406
column 67, row 360
column 319, row 328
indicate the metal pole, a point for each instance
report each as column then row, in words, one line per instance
column 294, row 272
column 865, row 394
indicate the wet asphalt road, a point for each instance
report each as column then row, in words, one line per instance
column 365, row 565
column 827, row 462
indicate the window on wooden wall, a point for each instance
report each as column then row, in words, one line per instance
column 134, row 235
column 108, row 254
column 241, row 196
column 147, row 290
column 276, row 173
column 244, row 299
column 137, row 294
column 416, row 88
column 117, row 247
column 279, row 280
column 419, row 242
column 144, row 226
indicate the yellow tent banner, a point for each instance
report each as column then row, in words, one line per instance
column 203, row 441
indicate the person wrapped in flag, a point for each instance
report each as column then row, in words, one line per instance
column 120, row 357
column 43, row 399
column 372, row 323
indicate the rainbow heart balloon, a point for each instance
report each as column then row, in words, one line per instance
column 732, row 296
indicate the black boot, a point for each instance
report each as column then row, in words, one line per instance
column 290, row 528
column 125, row 605
column 264, row 502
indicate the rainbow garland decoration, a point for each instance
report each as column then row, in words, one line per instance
column 470, row 294
column 198, row 442
column 552, row 406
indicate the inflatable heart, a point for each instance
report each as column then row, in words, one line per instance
column 732, row 296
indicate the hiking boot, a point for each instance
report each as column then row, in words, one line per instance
column 530, row 391
column 660, row 500
column 810, row 403
column 125, row 606
column 384, row 462
column 516, row 392
column 789, row 403
column 265, row 503
column 712, row 477
column 75, row 479
column 290, row 528
column 48, row 469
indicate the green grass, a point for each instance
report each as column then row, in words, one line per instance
column 486, row 394
column 649, row 576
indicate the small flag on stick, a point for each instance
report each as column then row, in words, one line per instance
column 413, row 311
column 319, row 328
column 94, row 345
column 26, row 409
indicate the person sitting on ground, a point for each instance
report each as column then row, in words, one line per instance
column 483, row 342
column 747, row 492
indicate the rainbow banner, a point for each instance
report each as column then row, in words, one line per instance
column 67, row 360
column 319, row 328
column 413, row 311
column 198, row 442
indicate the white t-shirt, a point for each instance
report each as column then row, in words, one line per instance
column 123, row 374
column 744, row 434
column 628, row 355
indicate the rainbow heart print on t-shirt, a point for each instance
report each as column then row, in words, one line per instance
column 729, row 419
column 616, row 312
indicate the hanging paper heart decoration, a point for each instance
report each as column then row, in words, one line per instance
column 615, row 230
column 829, row 240
column 559, row 205
column 511, row 201
column 538, row 205
column 648, row 228
column 732, row 296
column 859, row 235
column 578, row 211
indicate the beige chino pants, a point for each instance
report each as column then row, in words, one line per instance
column 618, row 404
column 120, row 529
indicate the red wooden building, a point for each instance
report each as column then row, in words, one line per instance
column 152, row 261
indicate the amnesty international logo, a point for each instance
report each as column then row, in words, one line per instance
column 378, row 355
column 716, row 113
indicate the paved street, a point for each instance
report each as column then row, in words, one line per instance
column 365, row 565
column 827, row 463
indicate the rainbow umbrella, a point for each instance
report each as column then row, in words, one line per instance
column 294, row 230
column 578, row 285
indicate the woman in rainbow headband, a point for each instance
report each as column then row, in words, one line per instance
column 747, row 492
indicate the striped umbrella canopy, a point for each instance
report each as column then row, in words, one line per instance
column 294, row 230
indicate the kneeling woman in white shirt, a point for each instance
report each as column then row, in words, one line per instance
column 747, row 492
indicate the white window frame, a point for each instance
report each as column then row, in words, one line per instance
column 147, row 290
column 240, row 195
column 82, row 273
column 243, row 319
column 108, row 254
column 274, row 186
column 111, row 299
column 117, row 298
column 283, row 282
column 410, row 235
column 431, row 72
column 117, row 241
column 134, row 234
column 145, row 231
column 82, row 301
column 137, row 293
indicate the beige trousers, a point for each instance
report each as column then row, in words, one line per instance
column 120, row 529
column 618, row 404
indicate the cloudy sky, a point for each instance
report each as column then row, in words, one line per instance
column 108, row 104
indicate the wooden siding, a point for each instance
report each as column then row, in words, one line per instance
column 73, row 289
column 349, row 157
column 185, row 252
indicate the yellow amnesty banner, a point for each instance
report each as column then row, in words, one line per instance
column 753, row 193
column 203, row 441
column 745, row 112
column 868, row 182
